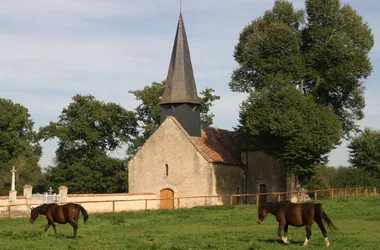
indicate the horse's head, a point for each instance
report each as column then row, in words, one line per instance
column 33, row 215
column 262, row 213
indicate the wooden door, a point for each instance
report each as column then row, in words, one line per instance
column 263, row 189
column 168, row 195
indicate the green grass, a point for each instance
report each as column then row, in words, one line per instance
column 224, row 227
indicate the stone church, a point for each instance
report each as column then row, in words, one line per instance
column 181, row 159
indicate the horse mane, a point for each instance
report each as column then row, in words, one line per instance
column 42, row 209
column 273, row 207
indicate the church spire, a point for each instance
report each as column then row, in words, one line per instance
column 180, row 98
column 180, row 84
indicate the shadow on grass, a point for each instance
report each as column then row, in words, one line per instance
column 279, row 241
column 63, row 236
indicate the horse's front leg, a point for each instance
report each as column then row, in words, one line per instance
column 308, row 234
column 51, row 222
column 47, row 226
column 286, row 234
column 281, row 226
column 55, row 229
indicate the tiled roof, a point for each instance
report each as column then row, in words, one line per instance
column 219, row 145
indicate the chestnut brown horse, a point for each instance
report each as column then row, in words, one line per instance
column 68, row 213
column 298, row 215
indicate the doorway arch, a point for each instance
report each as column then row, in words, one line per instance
column 167, row 201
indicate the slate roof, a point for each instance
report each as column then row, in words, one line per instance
column 180, row 84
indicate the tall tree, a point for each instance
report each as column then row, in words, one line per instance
column 87, row 130
column 336, row 43
column 365, row 151
column 322, row 51
column 148, row 112
column 290, row 127
column 19, row 147
column 323, row 48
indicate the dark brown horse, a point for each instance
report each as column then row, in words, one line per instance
column 298, row 215
column 68, row 213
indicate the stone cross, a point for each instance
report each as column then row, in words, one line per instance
column 50, row 190
column 13, row 192
column 13, row 188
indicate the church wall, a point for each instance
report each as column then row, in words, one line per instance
column 228, row 179
column 170, row 147
column 262, row 169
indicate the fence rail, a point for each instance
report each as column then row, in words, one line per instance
column 314, row 195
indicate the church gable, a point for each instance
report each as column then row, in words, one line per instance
column 170, row 130
column 169, row 159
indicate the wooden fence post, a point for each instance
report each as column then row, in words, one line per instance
column 278, row 197
column 230, row 199
column 315, row 195
column 374, row 191
column 257, row 200
column 366, row 192
column 356, row 192
column 345, row 193
column 332, row 194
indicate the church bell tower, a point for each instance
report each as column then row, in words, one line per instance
column 180, row 97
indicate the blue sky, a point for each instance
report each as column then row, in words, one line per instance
column 54, row 49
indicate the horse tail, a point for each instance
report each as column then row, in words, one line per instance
column 84, row 212
column 321, row 214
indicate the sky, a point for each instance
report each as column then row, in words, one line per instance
column 52, row 50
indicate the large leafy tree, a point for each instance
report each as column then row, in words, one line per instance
column 290, row 127
column 19, row 147
column 148, row 112
column 365, row 151
column 87, row 130
column 322, row 49
column 323, row 52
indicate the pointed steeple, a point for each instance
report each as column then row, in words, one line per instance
column 180, row 84
column 180, row 98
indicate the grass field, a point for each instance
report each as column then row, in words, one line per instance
column 224, row 227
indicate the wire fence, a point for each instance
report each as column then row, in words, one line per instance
column 232, row 199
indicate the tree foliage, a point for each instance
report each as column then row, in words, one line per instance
column 353, row 177
column 323, row 52
column 149, row 110
column 323, row 48
column 365, row 151
column 87, row 130
column 290, row 127
column 19, row 147
column 341, row 177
